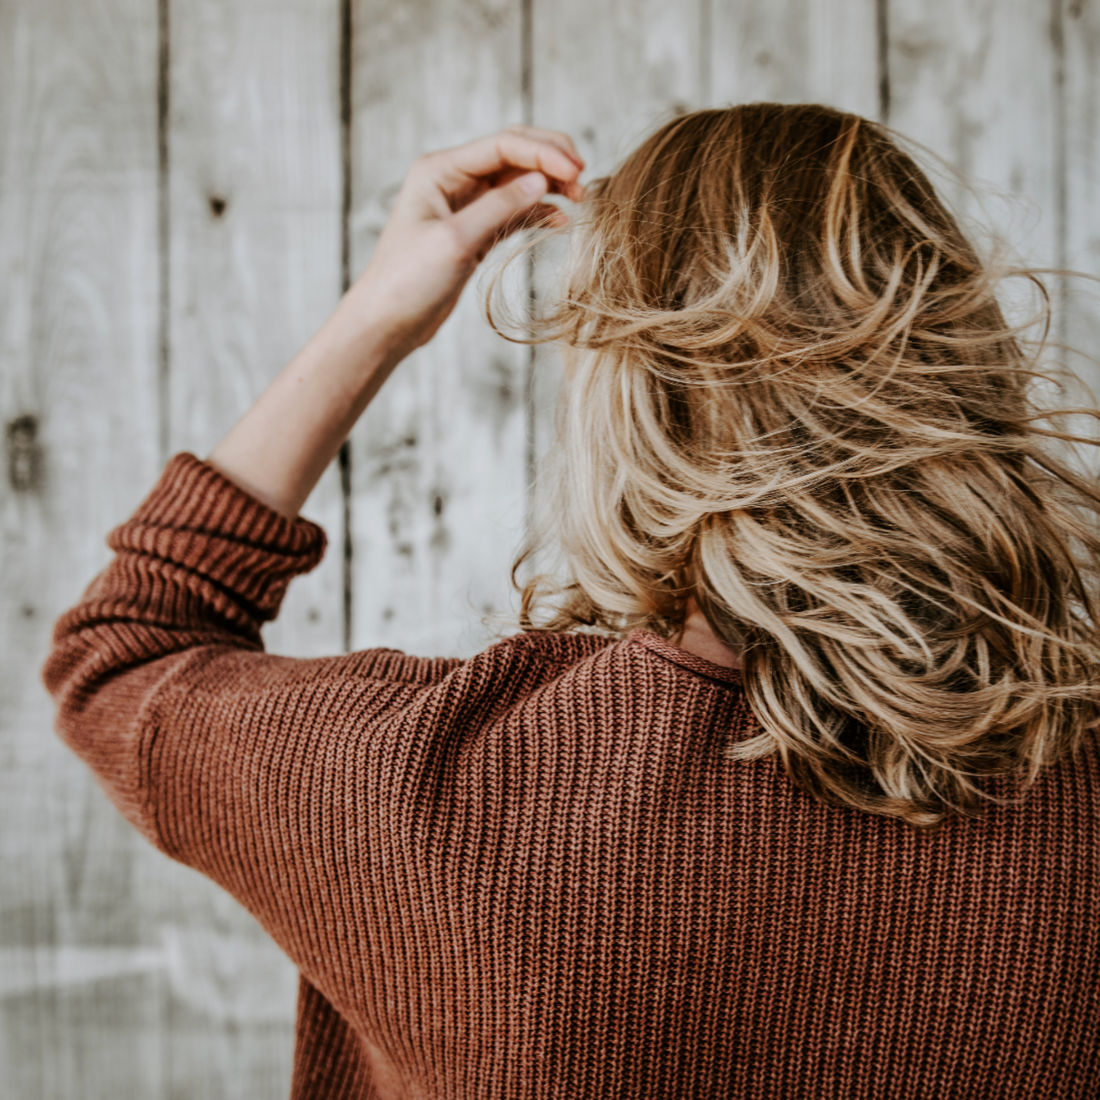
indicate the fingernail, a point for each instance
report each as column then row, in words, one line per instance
column 534, row 184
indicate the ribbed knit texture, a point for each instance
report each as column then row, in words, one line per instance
column 535, row 874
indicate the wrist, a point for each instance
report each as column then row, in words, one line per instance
column 361, row 336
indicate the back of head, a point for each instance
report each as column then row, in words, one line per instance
column 791, row 393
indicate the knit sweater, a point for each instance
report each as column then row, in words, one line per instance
column 535, row 872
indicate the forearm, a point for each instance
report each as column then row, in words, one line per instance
column 280, row 448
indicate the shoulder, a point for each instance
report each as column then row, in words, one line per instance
column 545, row 654
column 539, row 658
column 502, row 675
column 636, row 667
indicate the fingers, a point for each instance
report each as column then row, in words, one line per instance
column 553, row 155
column 480, row 224
column 574, row 191
column 555, row 137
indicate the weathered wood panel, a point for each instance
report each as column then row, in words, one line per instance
column 975, row 82
column 796, row 51
column 254, row 246
column 438, row 470
column 255, row 237
column 607, row 75
column 1079, row 28
column 81, row 1002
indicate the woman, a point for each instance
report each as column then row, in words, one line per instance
column 812, row 809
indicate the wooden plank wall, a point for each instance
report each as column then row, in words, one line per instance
column 437, row 469
column 184, row 189
column 81, row 998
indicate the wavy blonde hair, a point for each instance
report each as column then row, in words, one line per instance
column 791, row 393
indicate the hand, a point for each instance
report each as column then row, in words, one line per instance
column 453, row 207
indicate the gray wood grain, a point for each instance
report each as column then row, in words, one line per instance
column 608, row 75
column 1080, row 228
column 438, row 464
column 977, row 83
column 81, row 1005
column 254, row 245
column 255, row 237
column 795, row 51
column 974, row 81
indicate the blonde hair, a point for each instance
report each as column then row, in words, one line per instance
column 791, row 393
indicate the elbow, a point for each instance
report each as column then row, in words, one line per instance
column 101, row 716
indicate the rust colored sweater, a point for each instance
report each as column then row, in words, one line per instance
column 534, row 873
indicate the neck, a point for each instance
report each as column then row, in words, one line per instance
column 699, row 639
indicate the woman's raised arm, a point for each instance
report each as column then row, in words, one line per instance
column 159, row 673
column 452, row 208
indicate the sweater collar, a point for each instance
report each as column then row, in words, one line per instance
column 681, row 657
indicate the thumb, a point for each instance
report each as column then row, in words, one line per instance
column 479, row 223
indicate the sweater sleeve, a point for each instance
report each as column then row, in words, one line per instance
column 225, row 757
